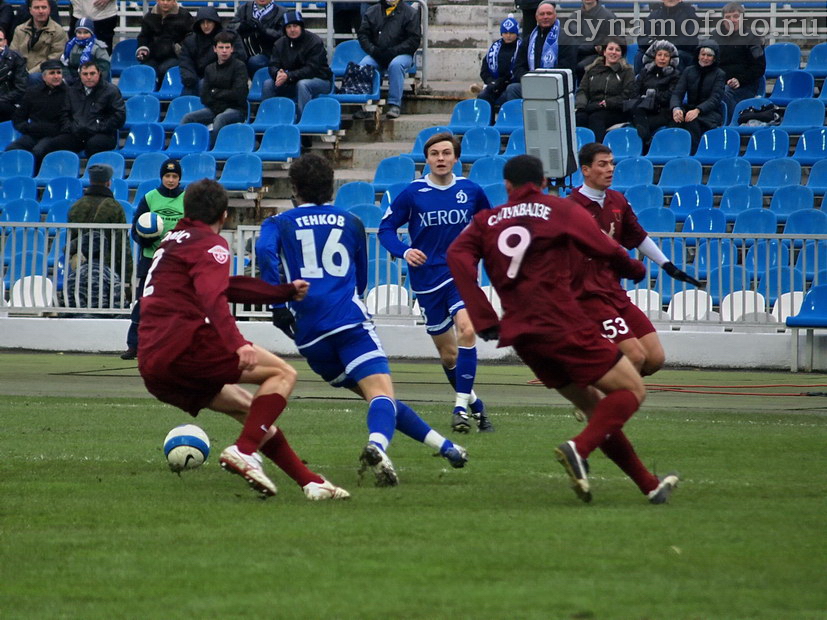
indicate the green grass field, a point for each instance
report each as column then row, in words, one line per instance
column 93, row 525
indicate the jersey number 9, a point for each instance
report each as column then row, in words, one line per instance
column 515, row 252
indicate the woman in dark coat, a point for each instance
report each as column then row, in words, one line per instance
column 654, row 84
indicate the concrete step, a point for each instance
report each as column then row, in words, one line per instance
column 464, row 36
column 458, row 14
column 455, row 64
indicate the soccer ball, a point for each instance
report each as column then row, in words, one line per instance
column 149, row 225
column 186, row 447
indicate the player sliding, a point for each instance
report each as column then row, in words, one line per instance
column 326, row 246
column 527, row 247
column 192, row 356
column 436, row 208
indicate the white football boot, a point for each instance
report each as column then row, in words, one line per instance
column 249, row 467
column 315, row 491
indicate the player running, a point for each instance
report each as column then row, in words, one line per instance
column 326, row 246
column 528, row 246
column 436, row 208
column 192, row 355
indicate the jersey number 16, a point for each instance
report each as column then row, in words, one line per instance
column 332, row 252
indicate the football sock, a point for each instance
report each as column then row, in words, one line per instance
column 476, row 404
column 465, row 372
column 264, row 411
column 609, row 416
column 279, row 451
column 409, row 423
column 619, row 449
column 381, row 421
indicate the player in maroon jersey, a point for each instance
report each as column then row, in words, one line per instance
column 192, row 354
column 528, row 247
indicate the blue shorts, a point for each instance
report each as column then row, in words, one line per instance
column 440, row 307
column 346, row 357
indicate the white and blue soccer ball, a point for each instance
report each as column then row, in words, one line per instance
column 149, row 225
column 186, row 447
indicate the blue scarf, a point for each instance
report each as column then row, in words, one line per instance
column 549, row 57
column 492, row 60
column 258, row 13
column 88, row 46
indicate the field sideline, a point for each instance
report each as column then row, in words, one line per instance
column 93, row 525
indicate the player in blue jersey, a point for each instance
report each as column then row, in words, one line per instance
column 436, row 208
column 331, row 326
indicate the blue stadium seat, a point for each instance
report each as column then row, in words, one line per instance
column 790, row 86
column 669, row 143
column 179, row 107
column 354, row 193
column 58, row 164
column 739, row 198
column 713, row 253
column 645, row 196
column 516, row 144
column 274, row 111
column 679, row 172
column 496, row 193
column 197, row 166
column 754, row 222
column 753, row 102
column 631, row 48
column 510, row 117
column 725, row 279
column 812, row 146
column 16, row 163
column 143, row 138
column 791, row 198
column 657, row 219
column 24, row 264
column 58, row 213
column 688, row 198
column 120, row 190
column 806, row 222
column 392, row 170
column 703, row 220
column 24, row 240
column 390, row 194
column 20, row 210
column 61, row 188
column 171, row 85
column 778, row 173
column 384, row 271
column 111, row 158
column 584, row 136
column 487, row 170
column 767, row 143
column 188, row 138
column 143, row 188
column 781, row 57
column 320, row 116
column 257, row 83
column 369, row 213
column 128, row 210
column 479, row 142
column 422, row 137
column 728, row 172
column 817, row 61
column 8, row 134
column 813, row 314
column 470, row 113
column 142, row 109
column 241, row 171
column 812, row 258
column 343, row 53
column 624, row 142
column 784, row 280
column 817, row 181
column 233, row 139
column 137, row 80
column 717, row 144
column 18, row 187
column 373, row 96
column 632, row 171
column 123, row 56
column 280, row 143
column 146, row 167
column 803, row 114
column 765, row 256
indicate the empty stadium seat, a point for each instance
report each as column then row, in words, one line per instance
column 766, row 255
column 257, row 83
column 784, row 280
column 146, row 168
column 416, row 153
column 658, row 219
column 728, row 172
column 632, row 171
column 171, row 85
column 646, row 196
column 679, row 172
column 781, row 57
column 369, row 213
column 188, row 138
column 817, row 180
column 703, row 220
column 390, row 194
column 742, row 305
column 487, row 170
column 113, row 159
column 61, row 188
column 811, row 147
column 689, row 305
column 233, row 139
column 20, row 210
column 143, row 188
column 18, row 187
column 790, row 86
column 275, row 111
column 142, row 109
column 388, row 299
column 723, row 280
column 516, row 144
column 754, row 222
column 123, row 56
column 812, row 258
column 479, row 142
column 803, row 114
column 470, row 113
column 320, row 116
column 766, row 144
column 58, row 164
column 197, row 166
column 510, row 117
column 137, row 80
column 354, row 193
column 22, row 264
column 778, row 173
column 813, row 314
column 17, row 163
column 241, row 172
column 713, row 253
column 143, row 138
column 739, row 198
column 787, row 305
column 179, row 107
column 669, row 143
column 717, row 144
column 688, row 198
column 791, row 198
column 280, row 143
column 584, row 136
column 624, row 142
column 817, row 61
column 805, row 222
column 392, row 170
column 496, row 194
column 58, row 213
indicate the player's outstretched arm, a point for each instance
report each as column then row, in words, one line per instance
column 247, row 290
column 651, row 250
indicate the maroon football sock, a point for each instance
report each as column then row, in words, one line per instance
column 619, row 449
column 609, row 416
column 264, row 410
column 279, row 451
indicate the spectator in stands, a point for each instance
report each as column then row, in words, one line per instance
column 23, row 14
column 674, row 21
column 223, row 89
column 104, row 16
column 13, row 79
column 197, row 50
column 7, row 20
column 162, row 31
column 541, row 49
column 608, row 83
column 497, row 69
column 585, row 30
column 92, row 115
column 390, row 34
column 741, row 56
column 37, row 118
column 654, row 86
column 529, row 10
column 703, row 86
column 83, row 48
column 39, row 38
column 298, row 66
column 258, row 23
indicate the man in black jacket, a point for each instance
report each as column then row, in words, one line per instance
column 298, row 66
column 258, row 23
column 93, row 113
column 162, row 30
column 13, row 78
column 37, row 117
column 586, row 29
column 674, row 21
column 197, row 49
column 390, row 34
column 741, row 56
column 223, row 90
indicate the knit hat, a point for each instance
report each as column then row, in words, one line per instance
column 100, row 173
column 48, row 65
column 293, row 17
column 84, row 23
column 171, row 165
column 509, row 25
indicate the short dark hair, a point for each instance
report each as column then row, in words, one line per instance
column 29, row 4
column 89, row 63
column 443, row 136
column 617, row 40
column 589, row 151
column 522, row 169
column 732, row 7
column 312, row 178
column 205, row 201
column 223, row 37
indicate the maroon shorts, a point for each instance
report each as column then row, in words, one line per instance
column 194, row 378
column 617, row 324
column 580, row 357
